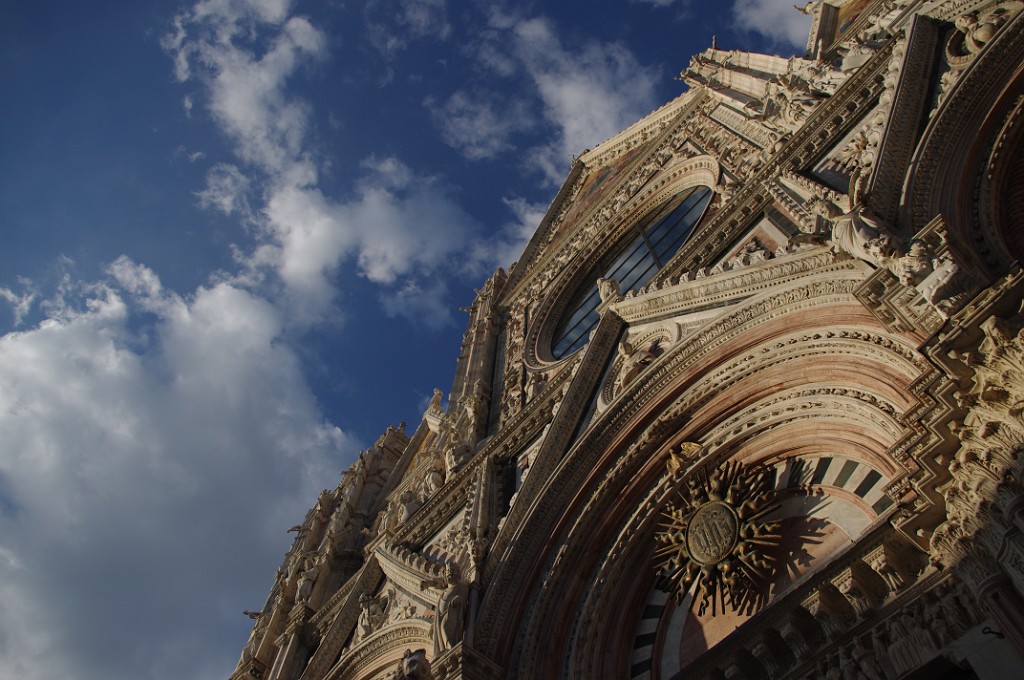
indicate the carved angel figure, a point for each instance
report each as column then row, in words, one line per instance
column 451, row 608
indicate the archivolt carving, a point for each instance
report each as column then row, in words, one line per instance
column 382, row 650
column 859, row 408
column 936, row 173
column 874, row 347
column 1000, row 200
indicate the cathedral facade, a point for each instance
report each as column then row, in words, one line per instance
column 749, row 406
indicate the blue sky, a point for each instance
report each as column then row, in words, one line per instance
column 236, row 237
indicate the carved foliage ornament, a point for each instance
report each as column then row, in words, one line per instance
column 716, row 540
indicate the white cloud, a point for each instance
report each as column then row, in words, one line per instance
column 423, row 306
column 227, row 190
column 588, row 93
column 425, row 17
column 396, row 225
column 153, row 447
column 778, row 20
column 478, row 124
column 505, row 248
column 662, row 3
column 399, row 224
column 21, row 303
column 392, row 25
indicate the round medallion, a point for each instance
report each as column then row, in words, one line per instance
column 713, row 533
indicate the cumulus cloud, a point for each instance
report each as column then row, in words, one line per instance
column 20, row 303
column 396, row 225
column 588, row 93
column 506, row 247
column 478, row 124
column 141, row 429
column 423, row 305
column 585, row 94
column 227, row 190
column 778, row 20
column 393, row 24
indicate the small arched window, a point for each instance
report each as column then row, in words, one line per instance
column 648, row 247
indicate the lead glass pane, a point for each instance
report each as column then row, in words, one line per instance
column 661, row 234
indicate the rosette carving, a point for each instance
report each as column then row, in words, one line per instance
column 716, row 539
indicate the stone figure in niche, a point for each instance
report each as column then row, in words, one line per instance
column 410, row 504
column 935, row 287
column 892, row 578
column 388, row 516
column 634, row 361
column 864, row 656
column 609, row 290
column 433, row 479
column 454, row 454
column 450, row 611
column 400, row 607
column 914, row 265
column 295, row 567
column 414, row 666
column 340, row 518
column 371, row 615
column 255, row 636
column 307, row 579
column 859, row 234
column 475, row 406
column 535, row 384
column 934, row 275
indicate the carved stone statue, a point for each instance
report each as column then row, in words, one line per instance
column 535, row 384
column 414, row 666
column 609, row 290
column 410, row 504
column 435, row 401
column 433, row 479
column 449, row 619
column 255, row 636
column 307, row 579
column 388, row 516
column 859, row 234
column 371, row 616
column 864, row 656
column 400, row 607
column 976, row 33
column 633, row 362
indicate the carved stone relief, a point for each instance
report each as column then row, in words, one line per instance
column 715, row 539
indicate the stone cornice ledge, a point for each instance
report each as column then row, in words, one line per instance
column 730, row 286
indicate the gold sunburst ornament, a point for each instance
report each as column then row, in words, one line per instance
column 715, row 539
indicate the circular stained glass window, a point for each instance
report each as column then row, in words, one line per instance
column 647, row 248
